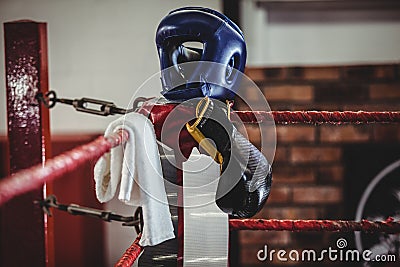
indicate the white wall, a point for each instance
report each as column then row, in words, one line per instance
column 313, row 37
column 97, row 48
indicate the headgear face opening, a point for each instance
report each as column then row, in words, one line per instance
column 184, row 72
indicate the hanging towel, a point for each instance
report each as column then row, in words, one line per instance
column 136, row 168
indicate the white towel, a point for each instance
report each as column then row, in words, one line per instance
column 136, row 168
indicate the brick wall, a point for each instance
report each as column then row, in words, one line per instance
column 308, row 165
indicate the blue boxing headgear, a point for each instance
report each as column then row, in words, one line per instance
column 223, row 44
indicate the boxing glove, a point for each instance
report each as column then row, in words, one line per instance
column 246, row 175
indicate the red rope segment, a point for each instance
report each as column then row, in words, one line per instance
column 131, row 254
column 36, row 176
column 319, row 117
column 389, row 226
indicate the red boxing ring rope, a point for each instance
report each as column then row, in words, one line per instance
column 34, row 177
column 131, row 254
column 319, row 117
column 389, row 226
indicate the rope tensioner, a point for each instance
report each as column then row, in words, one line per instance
column 74, row 209
column 87, row 105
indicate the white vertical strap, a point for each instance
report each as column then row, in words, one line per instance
column 206, row 233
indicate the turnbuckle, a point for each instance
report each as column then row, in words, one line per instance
column 88, row 105
column 73, row 209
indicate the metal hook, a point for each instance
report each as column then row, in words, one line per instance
column 139, row 217
column 138, row 101
column 49, row 99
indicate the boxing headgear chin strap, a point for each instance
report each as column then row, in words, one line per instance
column 223, row 43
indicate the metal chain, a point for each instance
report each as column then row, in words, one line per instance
column 88, row 105
column 73, row 209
